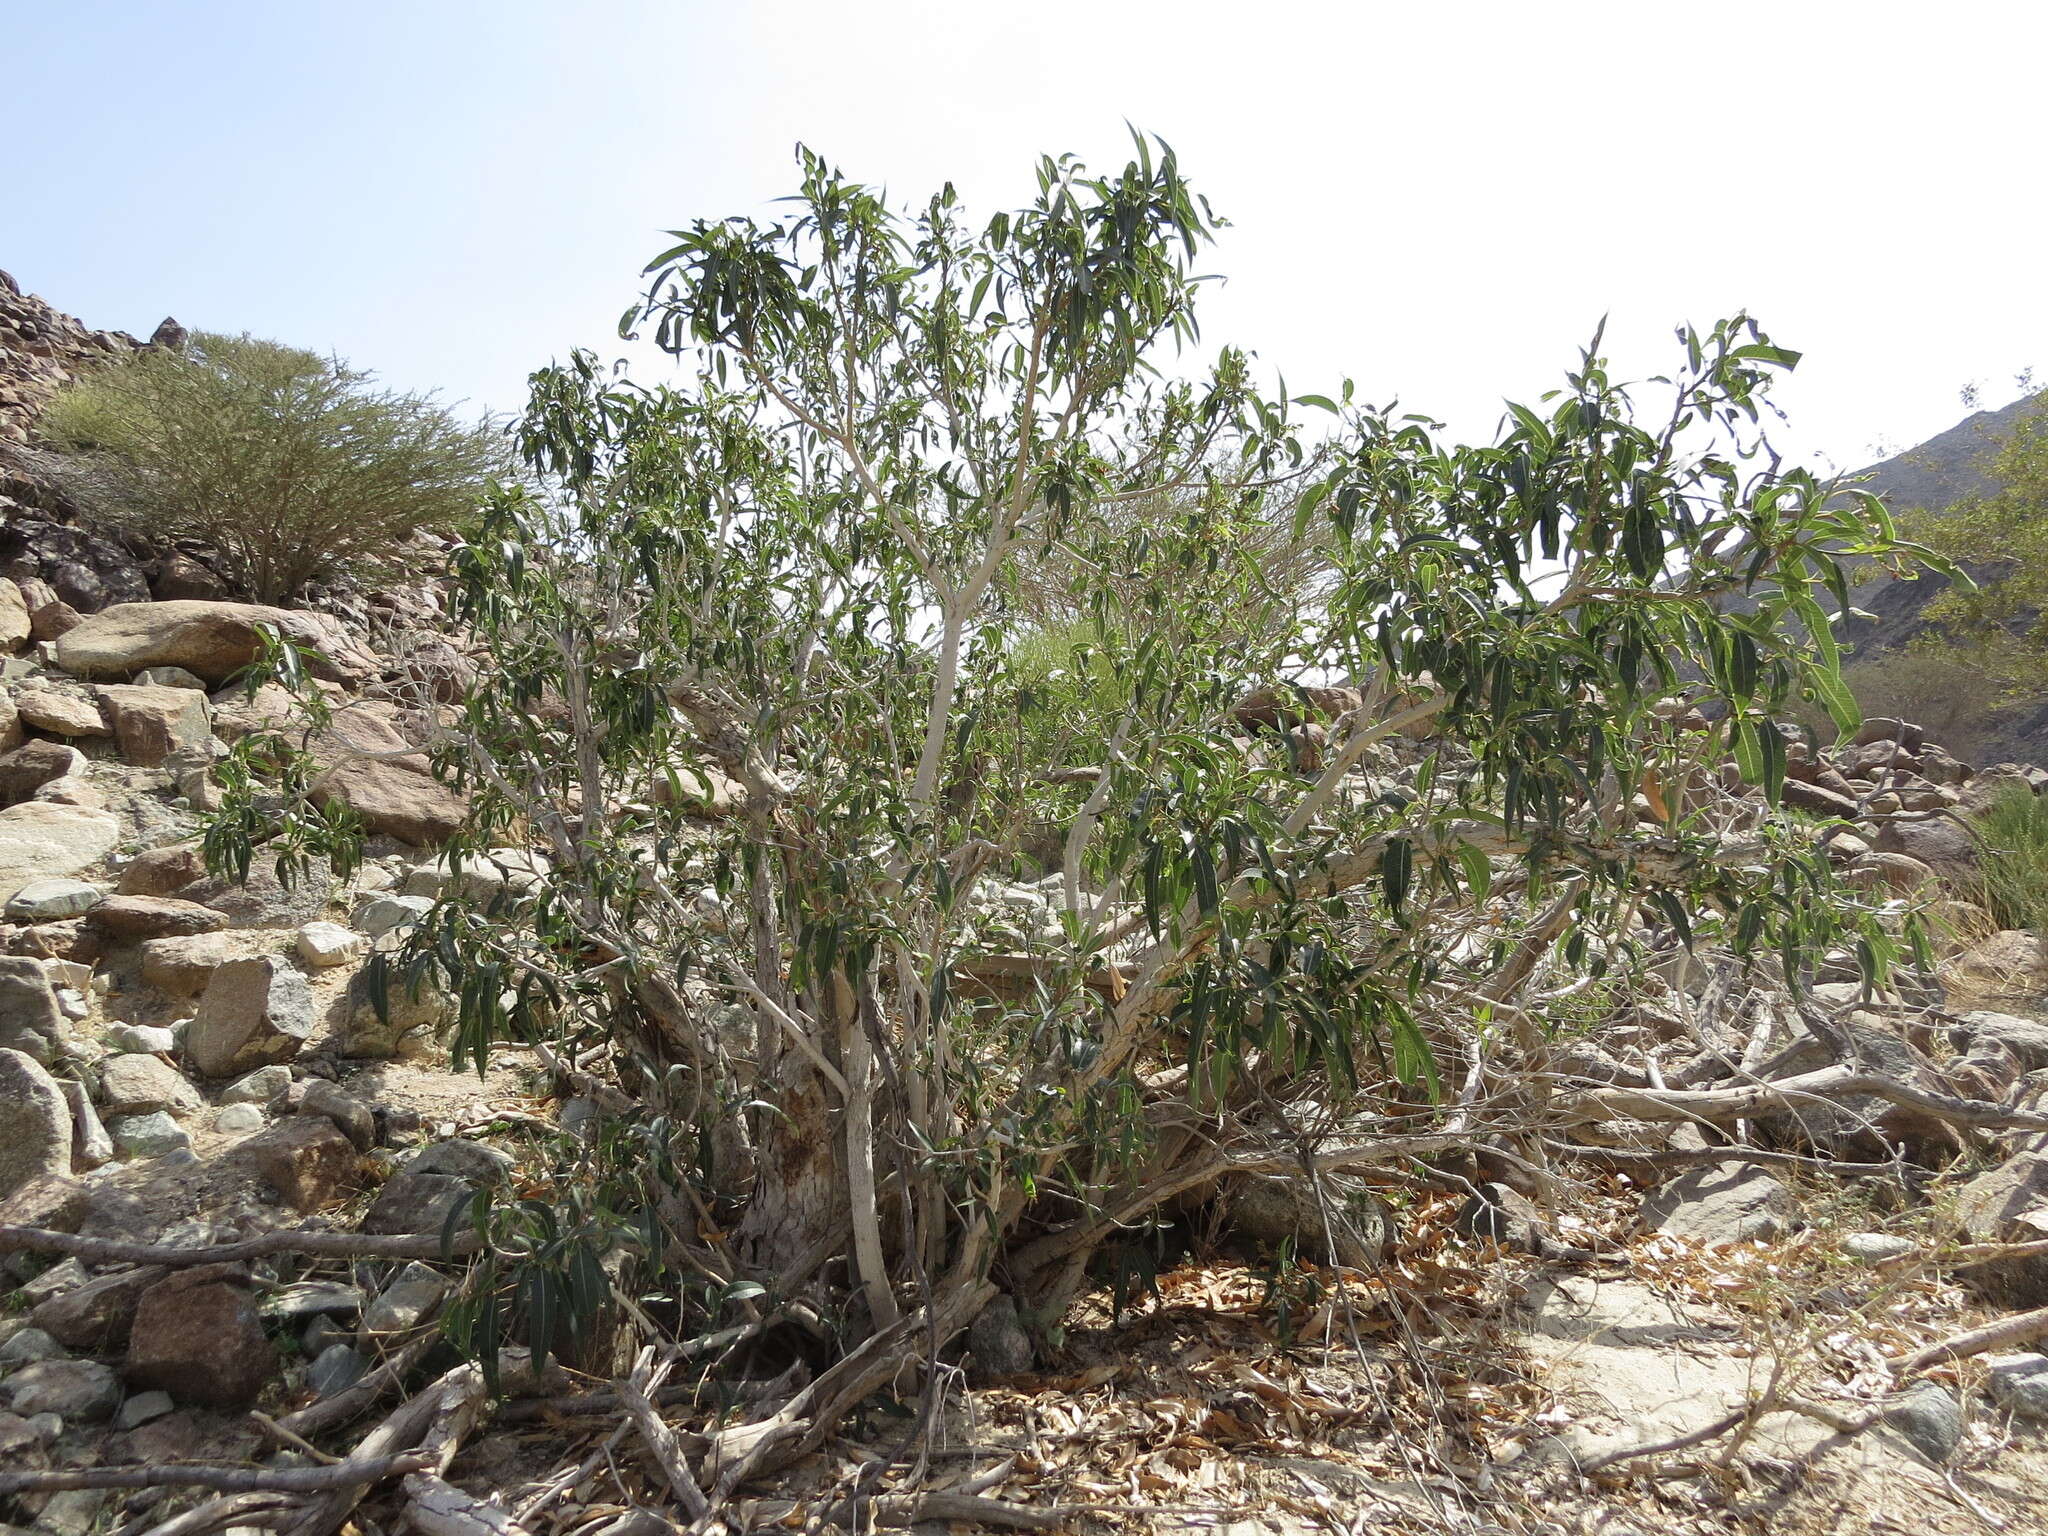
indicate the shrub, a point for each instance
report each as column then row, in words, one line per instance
column 2015, row 837
column 287, row 465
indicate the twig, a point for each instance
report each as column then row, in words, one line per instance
column 297, row 1442
column 225, row 1479
column 2020, row 1328
column 1686, row 1441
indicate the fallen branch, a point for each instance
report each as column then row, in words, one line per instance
column 434, row 1420
column 635, row 1395
column 438, row 1508
column 221, row 1479
column 328, row 1245
column 1966, row 1256
column 2020, row 1328
column 1684, row 1442
column 1823, row 1088
column 1616, row 1160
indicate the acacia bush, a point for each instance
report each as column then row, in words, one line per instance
column 887, row 1050
column 284, row 465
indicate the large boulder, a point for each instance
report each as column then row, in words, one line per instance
column 39, row 840
column 183, row 966
column 96, row 1315
column 133, row 919
column 35, row 1124
column 29, row 1020
column 253, row 1012
column 264, row 901
column 210, row 640
column 1942, row 843
column 151, row 723
column 1723, row 1204
column 59, row 713
column 163, row 871
column 416, row 1012
column 199, row 1336
column 307, row 1159
column 14, row 630
column 137, row 1084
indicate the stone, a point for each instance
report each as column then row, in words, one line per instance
column 308, row 1161
column 2008, row 1203
column 39, row 840
column 29, row 1345
column 461, row 1158
column 350, row 1115
column 142, row 1408
column 199, row 1336
column 61, row 714
column 417, row 1010
column 253, row 1012
column 35, row 1124
column 46, row 901
column 405, row 1303
column 151, row 723
column 2027, row 1039
column 95, row 1317
column 150, row 1039
column 65, row 1275
column 1819, row 800
column 387, row 798
column 33, row 764
column 73, row 789
column 997, row 1342
column 163, row 871
column 2010, row 966
column 1942, row 843
column 1497, row 1213
column 259, row 1087
column 238, row 1119
column 135, row 1084
column 1928, row 1415
column 2018, row 1384
column 1990, row 785
column 148, row 1136
column 415, row 1203
column 10, row 723
column 184, row 966
column 1885, row 873
column 391, row 914
column 324, row 945
column 1720, row 1204
column 700, row 790
column 336, row 1368
column 1883, row 728
column 55, row 1202
column 53, row 619
column 29, row 1018
column 170, row 677
column 264, row 902
column 211, row 640
column 134, row 919
column 14, row 626
column 313, row 1298
column 77, row 1391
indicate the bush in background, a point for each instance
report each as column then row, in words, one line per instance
column 2015, row 836
column 287, row 465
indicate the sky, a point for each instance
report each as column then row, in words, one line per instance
column 1437, row 200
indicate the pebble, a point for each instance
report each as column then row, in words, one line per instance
column 1876, row 1247
column 143, row 1407
column 2019, row 1384
column 259, row 1087
column 145, row 1039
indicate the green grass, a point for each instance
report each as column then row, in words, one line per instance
column 2014, row 857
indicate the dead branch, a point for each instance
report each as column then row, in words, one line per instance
column 635, row 1395
column 1685, row 1442
column 224, row 1479
column 330, row 1245
column 433, row 1419
column 1616, row 1160
column 438, row 1508
column 1719, row 1106
column 2020, row 1328
column 350, row 1401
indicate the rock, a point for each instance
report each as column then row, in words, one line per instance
column 1928, row 1415
column 29, row 1018
column 1990, row 785
column 1499, row 1214
column 14, row 628
column 264, row 902
column 149, row 1039
column 1721, row 1203
column 139, row 1085
column 997, row 1342
column 2018, row 1384
column 133, row 919
column 179, row 578
column 313, row 1298
column 702, row 790
column 325, row 945
column 390, row 914
column 1881, row 728
column 406, row 1302
column 61, row 714
column 45, row 901
column 55, row 1202
column 238, row 1119
column 64, row 1275
column 95, row 1317
column 1271, row 1211
column 1819, row 800
column 2008, row 1203
column 142, row 1408
column 54, row 619
column 253, row 1012
column 417, row 1010
column 152, row 723
column 1887, row 872
column 307, row 1161
column 415, row 1202
column 148, row 1136
column 198, row 1335
column 70, row 940
column 412, row 807
column 1942, row 843
column 2010, row 966
column 35, row 1124
column 39, row 840
column 335, row 1368
column 211, row 640
column 163, row 871
column 184, row 966
column 461, row 1158
column 259, row 1087
column 350, row 1115
column 33, row 764
column 30, row 1345
column 170, row 677
column 2027, row 1039
column 77, row 1391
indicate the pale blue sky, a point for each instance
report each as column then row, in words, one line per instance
column 1438, row 199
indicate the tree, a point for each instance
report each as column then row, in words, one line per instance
column 283, row 465
column 870, row 1018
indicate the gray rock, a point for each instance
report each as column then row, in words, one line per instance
column 461, row 1158
column 29, row 1345
column 389, row 914
column 259, row 1087
column 2018, row 1384
column 337, row 1367
column 1928, row 1415
column 1723, row 1203
column 349, row 1113
column 142, row 1408
column 1997, row 1206
column 135, row 1084
column 170, row 677
column 313, row 1298
column 410, row 1297
column 35, row 1124
column 95, row 1316
column 324, row 945
column 416, row 1012
column 147, row 1039
column 46, row 901
column 997, row 1341
column 264, row 902
column 2027, row 1039
column 148, row 1136
column 254, row 1012
column 1876, row 1247
column 239, row 1119
column 416, row 1202
column 77, row 1391
column 30, row 1021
